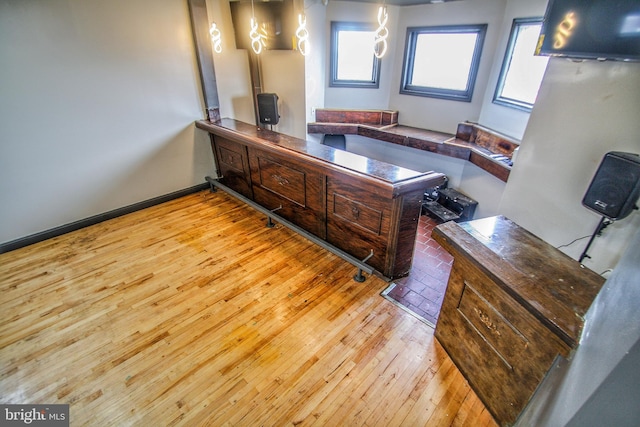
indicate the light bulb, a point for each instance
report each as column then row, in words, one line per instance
column 215, row 38
column 256, row 38
column 303, row 35
column 380, row 44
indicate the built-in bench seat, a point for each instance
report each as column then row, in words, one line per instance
column 477, row 144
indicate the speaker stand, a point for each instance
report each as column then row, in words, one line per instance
column 598, row 231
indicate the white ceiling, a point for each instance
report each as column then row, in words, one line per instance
column 398, row 2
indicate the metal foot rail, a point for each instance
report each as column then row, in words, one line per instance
column 269, row 213
column 359, row 277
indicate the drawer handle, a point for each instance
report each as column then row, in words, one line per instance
column 355, row 211
column 486, row 320
column 281, row 180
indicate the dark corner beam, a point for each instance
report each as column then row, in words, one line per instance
column 202, row 41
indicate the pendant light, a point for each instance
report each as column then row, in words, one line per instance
column 257, row 39
column 303, row 35
column 380, row 41
column 216, row 38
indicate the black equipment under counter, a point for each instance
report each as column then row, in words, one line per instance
column 448, row 204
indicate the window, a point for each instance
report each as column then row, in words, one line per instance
column 442, row 62
column 522, row 71
column 353, row 63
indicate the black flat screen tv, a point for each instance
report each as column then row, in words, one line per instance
column 276, row 19
column 591, row 29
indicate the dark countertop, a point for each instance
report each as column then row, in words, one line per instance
column 253, row 134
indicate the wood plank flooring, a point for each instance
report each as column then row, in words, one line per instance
column 194, row 313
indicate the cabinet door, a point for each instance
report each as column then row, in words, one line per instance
column 233, row 165
column 290, row 187
column 358, row 221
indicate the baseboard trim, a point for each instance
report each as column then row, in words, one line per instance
column 67, row 228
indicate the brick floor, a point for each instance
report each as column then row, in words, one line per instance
column 423, row 289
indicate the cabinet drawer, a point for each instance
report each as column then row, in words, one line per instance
column 231, row 159
column 358, row 222
column 356, row 213
column 282, row 180
column 293, row 190
column 502, row 337
column 233, row 165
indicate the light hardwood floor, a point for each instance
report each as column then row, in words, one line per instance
column 194, row 313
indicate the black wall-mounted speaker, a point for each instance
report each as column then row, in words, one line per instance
column 615, row 188
column 268, row 108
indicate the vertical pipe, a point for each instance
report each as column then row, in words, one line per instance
column 204, row 54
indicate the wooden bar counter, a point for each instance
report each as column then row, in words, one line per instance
column 356, row 204
column 513, row 304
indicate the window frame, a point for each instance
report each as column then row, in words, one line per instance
column 337, row 26
column 506, row 62
column 409, row 59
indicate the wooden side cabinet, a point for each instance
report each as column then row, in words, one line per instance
column 513, row 304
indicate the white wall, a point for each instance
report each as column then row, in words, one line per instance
column 231, row 67
column 283, row 73
column 464, row 176
column 423, row 112
column 364, row 98
column 508, row 121
column 483, row 187
column 315, row 70
column 437, row 114
column 97, row 109
column 584, row 110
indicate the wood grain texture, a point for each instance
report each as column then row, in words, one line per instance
column 318, row 155
column 356, row 212
column 232, row 161
column 503, row 350
column 368, row 117
column 292, row 187
column 513, row 305
column 488, row 138
column 193, row 313
column 471, row 142
column 359, row 221
column 549, row 284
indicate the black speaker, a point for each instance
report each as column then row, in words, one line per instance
column 615, row 188
column 268, row 108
